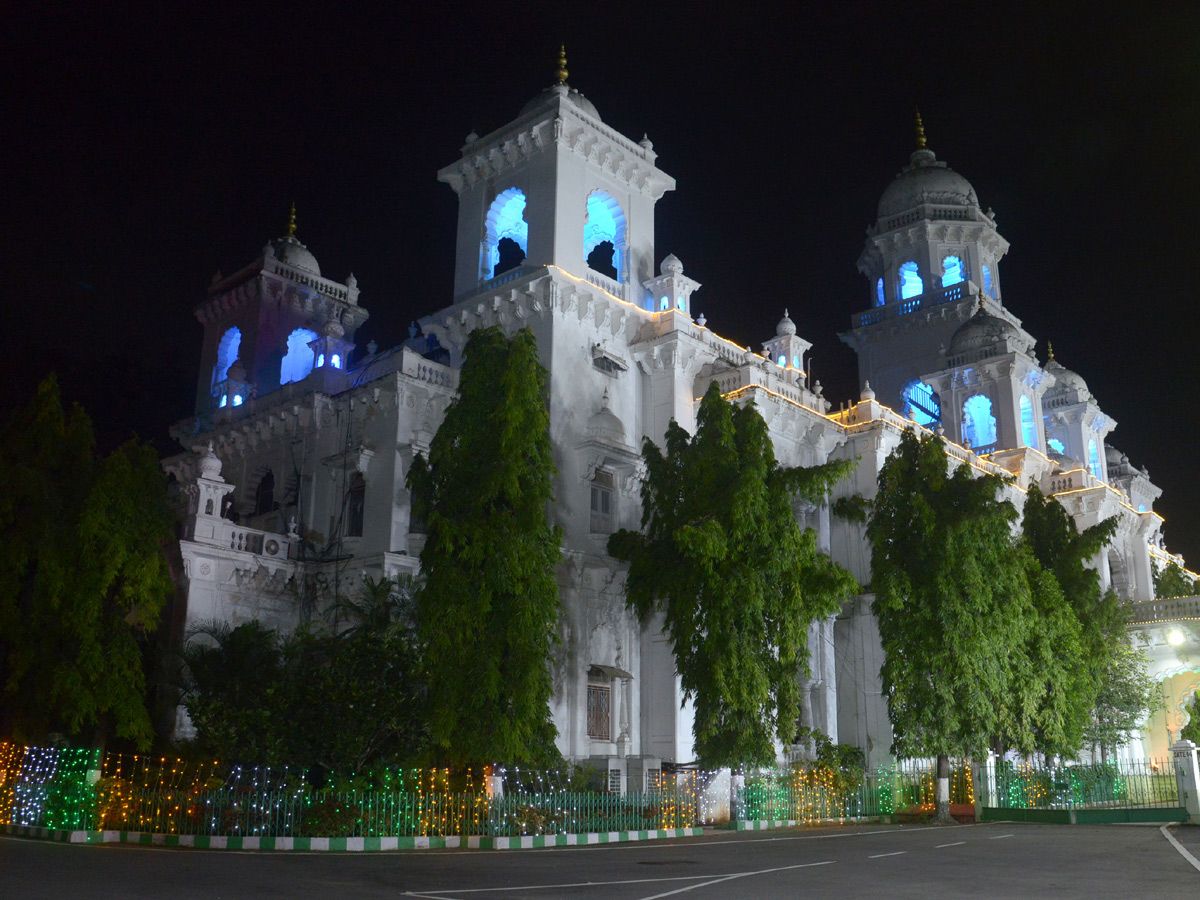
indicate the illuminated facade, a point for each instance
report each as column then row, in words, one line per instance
column 296, row 490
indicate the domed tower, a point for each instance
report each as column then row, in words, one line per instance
column 260, row 325
column 1075, row 425
column 931, row 251
column 556, row 186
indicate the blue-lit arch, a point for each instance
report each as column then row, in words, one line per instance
column 298, row 361
column 978, row 423
column 1028, row 431
column 953, row 271
column 505, row 219
column 910, row 281
column 880, row 297
column 227, row 352
column 1093, row 458
column 921, row 404
column 605, row 221
column 987, row 282
column 1057, row 446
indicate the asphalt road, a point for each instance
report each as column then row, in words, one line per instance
column 992, row 860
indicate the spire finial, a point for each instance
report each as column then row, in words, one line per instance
column 1049, row 352
column 292, row 221
column 920, row 131
column 561, row 71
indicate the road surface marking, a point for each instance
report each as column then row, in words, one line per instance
column 955, row 844
column 999, row 837
column 692, row 887
column 882, row 855
column 1178, row 846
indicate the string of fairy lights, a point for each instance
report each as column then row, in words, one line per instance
column 83, row 789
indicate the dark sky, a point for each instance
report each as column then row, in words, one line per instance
column 146, row 148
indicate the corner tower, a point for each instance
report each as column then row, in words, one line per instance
column 931, row 251
column 556, row 186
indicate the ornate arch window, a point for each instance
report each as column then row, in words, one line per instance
column 987, row 282
column 978, row 423
column 1028, row 431
column 880, row 298
column 298, row 361
column 1093, row 458
column 227, row 352
column 506, row 241
column 953, row 271
column 910, row 281
column 921, row 403
column 605, row 224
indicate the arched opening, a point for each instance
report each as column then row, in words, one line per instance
column 1028, row 431
column 952, row 271
column 264, row 494
column 604, row 224
column 505, row 222
column 987, row 282
column 921, row 404
column 298, row 361
column 1057, row 446
column 880, row 299
column 978, row 424
column 227, row 352
column 910, row 281
column 1093, row 458
column 356, row 498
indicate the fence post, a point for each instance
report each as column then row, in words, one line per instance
column 1187, row 777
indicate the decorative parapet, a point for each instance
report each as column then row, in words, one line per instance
column 1175, row 609
column 231, row 536
column 898, row 308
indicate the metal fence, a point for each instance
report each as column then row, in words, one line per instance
column 1121, row 784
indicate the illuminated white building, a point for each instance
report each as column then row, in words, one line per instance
column 301, row 441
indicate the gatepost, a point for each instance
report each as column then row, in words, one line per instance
column 1187, row 776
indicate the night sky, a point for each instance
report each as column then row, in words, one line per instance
column 145, row 149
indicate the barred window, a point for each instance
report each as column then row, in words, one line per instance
column 602, row 502
column 599, row 712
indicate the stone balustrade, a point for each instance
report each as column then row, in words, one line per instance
column 1173, row 610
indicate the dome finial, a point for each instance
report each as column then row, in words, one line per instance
column 1049, row 352
column 920, row 131
column 292, row 221
column 561, row 71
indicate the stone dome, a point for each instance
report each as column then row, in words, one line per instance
column 1065, row 379
column 546, row 99
column 294, row 253
column 785, row 327
column 984, row 332
column 925, row 180
column 671, row 265
column 605, row 424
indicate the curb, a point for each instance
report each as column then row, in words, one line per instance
column 762, row 824
column 344, row 844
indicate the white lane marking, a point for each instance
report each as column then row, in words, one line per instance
column 1178, row 846
column 692, row 887
column 955, row 844
column 570, row 884
column 882, row 855
column 999, row 837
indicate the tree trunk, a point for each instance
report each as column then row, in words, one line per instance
column 943, row 816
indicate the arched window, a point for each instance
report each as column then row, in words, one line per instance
column 987, row 281
column 1057, row 446
column 335, row 361
column 298, row 361
column 879, row 297
column 782, row 361
column 605, row 223
column 264, row 494
column 1093, row 458
column 505, row 220
column 602, row 502
column 664, row 303
column 356, row 498
column 910, row 281
column 979, row 425
column 227, row 352
column 921, row 403
column 1028, row 432
column 952, row 271
column 795, row 360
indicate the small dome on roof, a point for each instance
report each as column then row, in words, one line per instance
column 572, row 96
column 294, row 253
column 605, row 424
column 1065, row 379
column 671, row 265
column 786, row 326
column 925, row 180
column 984, row 332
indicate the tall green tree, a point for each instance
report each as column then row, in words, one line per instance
column 1127, row 695
column 83, row 575
column 738, row 582
column 488, row 606
column 1074, row 674
column 1191, row 731
column 954, row 604
column 1172, row 582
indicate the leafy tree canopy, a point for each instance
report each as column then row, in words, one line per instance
column 737, row 581
column 1173, row 582
column 1191, row 731
column 83, row 576
column 488, row 606
column 1127, row 695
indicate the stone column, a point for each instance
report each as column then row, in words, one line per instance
column 1187, row 776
